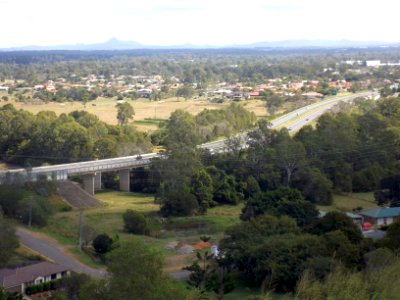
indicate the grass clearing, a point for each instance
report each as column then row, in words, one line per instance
column 63, row 226
column 350, row 201
column 23, row 255
column 148, row 113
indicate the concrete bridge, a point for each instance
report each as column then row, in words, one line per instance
column 91, row 170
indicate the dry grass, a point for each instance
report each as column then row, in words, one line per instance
column 144, row 109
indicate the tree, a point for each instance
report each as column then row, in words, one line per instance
column 185, row 92
column 181, row 131
column 314, row 185
column 283, row 201
column 177, row 202
column 390, row 191
column 102, row 244
column 135, row 222
column 211, row 274
column 125, row 112
column 392, row 238
column 73, row 283
column 339, row 247
column 136, row 274
column 202, row 188
column 8, row 240
column 335, row 220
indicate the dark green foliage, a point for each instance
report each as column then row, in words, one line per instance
column 179, row 203
column 240, row 237
column 314, row 185
column 389, row 192
column 283, row 201
column 72, row 284
column 135, row 222
column 102, row 243
column 211, row 274
column 335, row 220
column 34, row 139
column 22, row 204
column 42, row 287
column 339, row 247
column 251, row 188
column 8, row 240
column 37, row 208
column 225, row 187
column 201, row 187
column 136, row 273
column 392, row 238
column 10, row 199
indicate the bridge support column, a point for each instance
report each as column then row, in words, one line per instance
column 124, row 180
column 97, row 181
column 88, row 183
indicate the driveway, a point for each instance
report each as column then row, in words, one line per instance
column 52, row 250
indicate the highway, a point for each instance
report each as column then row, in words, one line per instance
column 299, row 116
column 302, row 116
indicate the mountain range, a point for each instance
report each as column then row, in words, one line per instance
column 115, row 44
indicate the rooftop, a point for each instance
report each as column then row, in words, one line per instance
column 14, row 277
column 384, row 212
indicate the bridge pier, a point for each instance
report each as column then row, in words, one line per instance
column 125, row 180
column 97, row 181
column 88, row 183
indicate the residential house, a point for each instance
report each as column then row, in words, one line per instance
column 381, row 216
column 17, row 280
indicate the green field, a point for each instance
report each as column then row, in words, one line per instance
column 64, row 226
column 350, row 201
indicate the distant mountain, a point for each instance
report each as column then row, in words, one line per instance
column 111, row 44
column 115, row 44
column 317, row 44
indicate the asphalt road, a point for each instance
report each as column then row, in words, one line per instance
column 299, row 116
column 55, row 252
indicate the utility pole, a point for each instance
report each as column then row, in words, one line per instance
column 80, row 239
column 30, row 211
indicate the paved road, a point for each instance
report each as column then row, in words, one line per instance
column 49, row 248
column 52, row 250
column 300, row 117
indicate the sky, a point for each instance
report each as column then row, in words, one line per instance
column 198, row 22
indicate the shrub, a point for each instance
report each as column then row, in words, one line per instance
column 135, row 222
column 102, row 243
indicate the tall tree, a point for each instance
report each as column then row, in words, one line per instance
column 8, row 240
column 125, row 112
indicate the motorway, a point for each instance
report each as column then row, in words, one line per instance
column 299, row 116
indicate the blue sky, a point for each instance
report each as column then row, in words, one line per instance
column 200, row 22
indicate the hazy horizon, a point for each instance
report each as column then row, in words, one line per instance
column 196, row 22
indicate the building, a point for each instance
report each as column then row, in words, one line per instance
column 373, row 63
column 381, row 216
column 17, row 280
column 312, row 95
